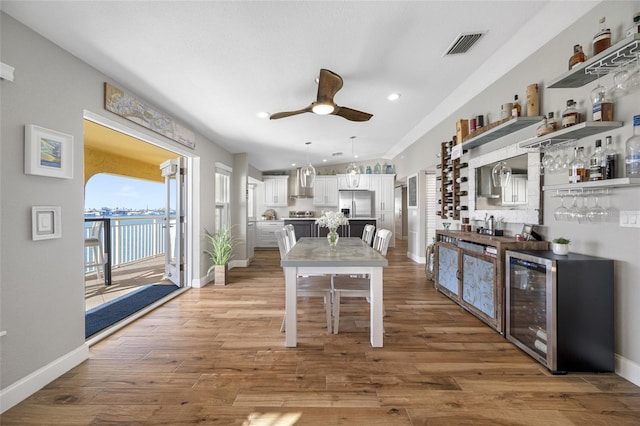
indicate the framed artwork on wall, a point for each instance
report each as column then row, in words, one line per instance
column 47, row 152
column 46, row 222
column 412, row 191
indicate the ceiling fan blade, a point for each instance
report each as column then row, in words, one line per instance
column 284, row 114
column 352, row 114
column 328, row 85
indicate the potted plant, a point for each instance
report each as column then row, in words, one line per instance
column 221, row 252
column 560, row 246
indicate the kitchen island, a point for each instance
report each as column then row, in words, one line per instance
column 306, row 227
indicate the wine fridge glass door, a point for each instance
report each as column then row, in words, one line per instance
column 530, row 307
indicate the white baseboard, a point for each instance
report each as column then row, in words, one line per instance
column 25, row 387
column 417, row 259
column 200, row 282
column 628, row 369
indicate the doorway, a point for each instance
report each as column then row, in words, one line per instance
column 113, row 148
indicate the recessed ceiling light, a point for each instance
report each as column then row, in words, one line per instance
column 263, row 114
column 324, row 160
column 394, row 96
column 293, row 164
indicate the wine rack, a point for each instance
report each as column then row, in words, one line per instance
column 449, row 187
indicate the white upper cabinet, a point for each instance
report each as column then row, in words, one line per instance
column 383, row 186
column 364, row 182
column 275, row 191
column 325, row 191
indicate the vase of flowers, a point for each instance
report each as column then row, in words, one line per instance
column 332, row 220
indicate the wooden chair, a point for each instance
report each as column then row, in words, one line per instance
column 367, row 234
column 349, row 286
column 313, row 286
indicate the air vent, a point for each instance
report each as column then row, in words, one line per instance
column 463, row 43
column 336, row 154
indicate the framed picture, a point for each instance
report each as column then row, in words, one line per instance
column 412, row 191
column 48, row 153
column 46, row 222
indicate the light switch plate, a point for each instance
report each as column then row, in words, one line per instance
column 630, row 218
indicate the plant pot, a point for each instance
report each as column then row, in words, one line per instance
column 220, row 274
column 561, row 249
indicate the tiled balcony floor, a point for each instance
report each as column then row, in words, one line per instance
column 124, row 280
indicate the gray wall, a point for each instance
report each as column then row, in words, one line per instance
column 42, row 282
column 607, row 240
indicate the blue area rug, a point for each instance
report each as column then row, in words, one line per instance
column 105, row 315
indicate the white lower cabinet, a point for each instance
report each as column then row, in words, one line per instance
column 265, row 233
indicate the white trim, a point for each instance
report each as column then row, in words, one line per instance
column 6, row 72
column 130, row 131
column 415, row 258
column 30, row 384
column 627, row 369
column 223, row 167
column 192, row 262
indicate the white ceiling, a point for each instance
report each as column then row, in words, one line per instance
column 215, row 64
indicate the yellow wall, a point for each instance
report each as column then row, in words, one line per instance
column 96, row 162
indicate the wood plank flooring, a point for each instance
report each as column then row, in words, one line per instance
column 216, row 356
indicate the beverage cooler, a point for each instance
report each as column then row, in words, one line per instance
column 559, row 309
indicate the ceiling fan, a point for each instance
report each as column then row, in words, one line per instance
column 328, row 85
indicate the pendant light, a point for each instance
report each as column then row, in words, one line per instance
column 501, row 174
column 308, row 172
column 353, row 171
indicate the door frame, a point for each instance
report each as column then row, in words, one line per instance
column 192, row 166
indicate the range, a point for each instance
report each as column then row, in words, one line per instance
column 300, row 213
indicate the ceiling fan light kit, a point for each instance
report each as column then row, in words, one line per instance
column 322, row 108
column 328, row 85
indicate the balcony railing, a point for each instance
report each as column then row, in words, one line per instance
column 132, row 239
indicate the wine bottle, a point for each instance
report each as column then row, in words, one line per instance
column 610, row 160
column 595, row 162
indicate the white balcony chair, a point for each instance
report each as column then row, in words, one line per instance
column 313, row 286
column 367, row 234
column 94, row 242
column 350, row 286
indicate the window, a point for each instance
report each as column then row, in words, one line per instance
column 223, row 188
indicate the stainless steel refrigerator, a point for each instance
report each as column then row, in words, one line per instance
column 356, row 203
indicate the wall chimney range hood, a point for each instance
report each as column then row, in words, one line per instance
column 296, row 190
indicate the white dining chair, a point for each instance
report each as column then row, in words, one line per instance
column 367, row 233
column 290, row 233
column 308, row 286
column 94, row 242
column 350, row 286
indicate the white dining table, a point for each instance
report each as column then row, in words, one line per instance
column 311, row 256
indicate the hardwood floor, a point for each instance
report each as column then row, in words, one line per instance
column 216, row 356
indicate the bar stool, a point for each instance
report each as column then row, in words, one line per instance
column 94, row 243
